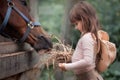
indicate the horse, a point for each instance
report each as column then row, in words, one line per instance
column 16, row 23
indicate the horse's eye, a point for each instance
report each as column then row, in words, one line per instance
column 24, row 2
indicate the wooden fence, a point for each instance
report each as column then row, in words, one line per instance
column 18, row 61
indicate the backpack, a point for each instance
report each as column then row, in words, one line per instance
column 106, row 52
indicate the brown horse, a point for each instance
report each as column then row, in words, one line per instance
column 16, row 22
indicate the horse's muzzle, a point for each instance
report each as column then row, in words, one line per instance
column 43, row 43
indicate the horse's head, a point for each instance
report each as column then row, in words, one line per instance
column 16, row 22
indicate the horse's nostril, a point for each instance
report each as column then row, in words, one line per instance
column 44, row 43
column 46, row 40
column 49, row 44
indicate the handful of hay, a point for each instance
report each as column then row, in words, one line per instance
column 60, row 53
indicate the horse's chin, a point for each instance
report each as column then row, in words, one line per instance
column 42, row 48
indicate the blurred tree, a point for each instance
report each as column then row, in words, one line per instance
column 34, row 9
column 66, row 29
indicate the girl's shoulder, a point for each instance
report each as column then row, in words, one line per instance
column 87, row 36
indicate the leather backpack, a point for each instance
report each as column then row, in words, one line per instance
column 106, row 52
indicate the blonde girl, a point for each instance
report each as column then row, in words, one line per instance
column 83, row 16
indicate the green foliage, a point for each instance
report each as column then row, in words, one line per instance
column 113, row 73
column 51, row 12
column 47, row 74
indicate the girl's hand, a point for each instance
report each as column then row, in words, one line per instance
column 62, row 66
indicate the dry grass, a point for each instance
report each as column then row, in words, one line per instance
column 60, row 53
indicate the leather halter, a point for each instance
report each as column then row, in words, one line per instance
column 30, row 24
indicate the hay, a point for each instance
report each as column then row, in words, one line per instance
column 60, row 53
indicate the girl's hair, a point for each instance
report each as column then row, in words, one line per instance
column 83, row 11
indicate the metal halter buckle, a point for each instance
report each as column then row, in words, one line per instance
column 30, row 24
column 10, row 4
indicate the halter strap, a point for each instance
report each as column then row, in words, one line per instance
column 29, row 27
column 7, row 16
column 30, row 24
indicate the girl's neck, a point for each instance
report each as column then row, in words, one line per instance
column 83, row 33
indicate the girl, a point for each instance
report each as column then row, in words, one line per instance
column 84, row 17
